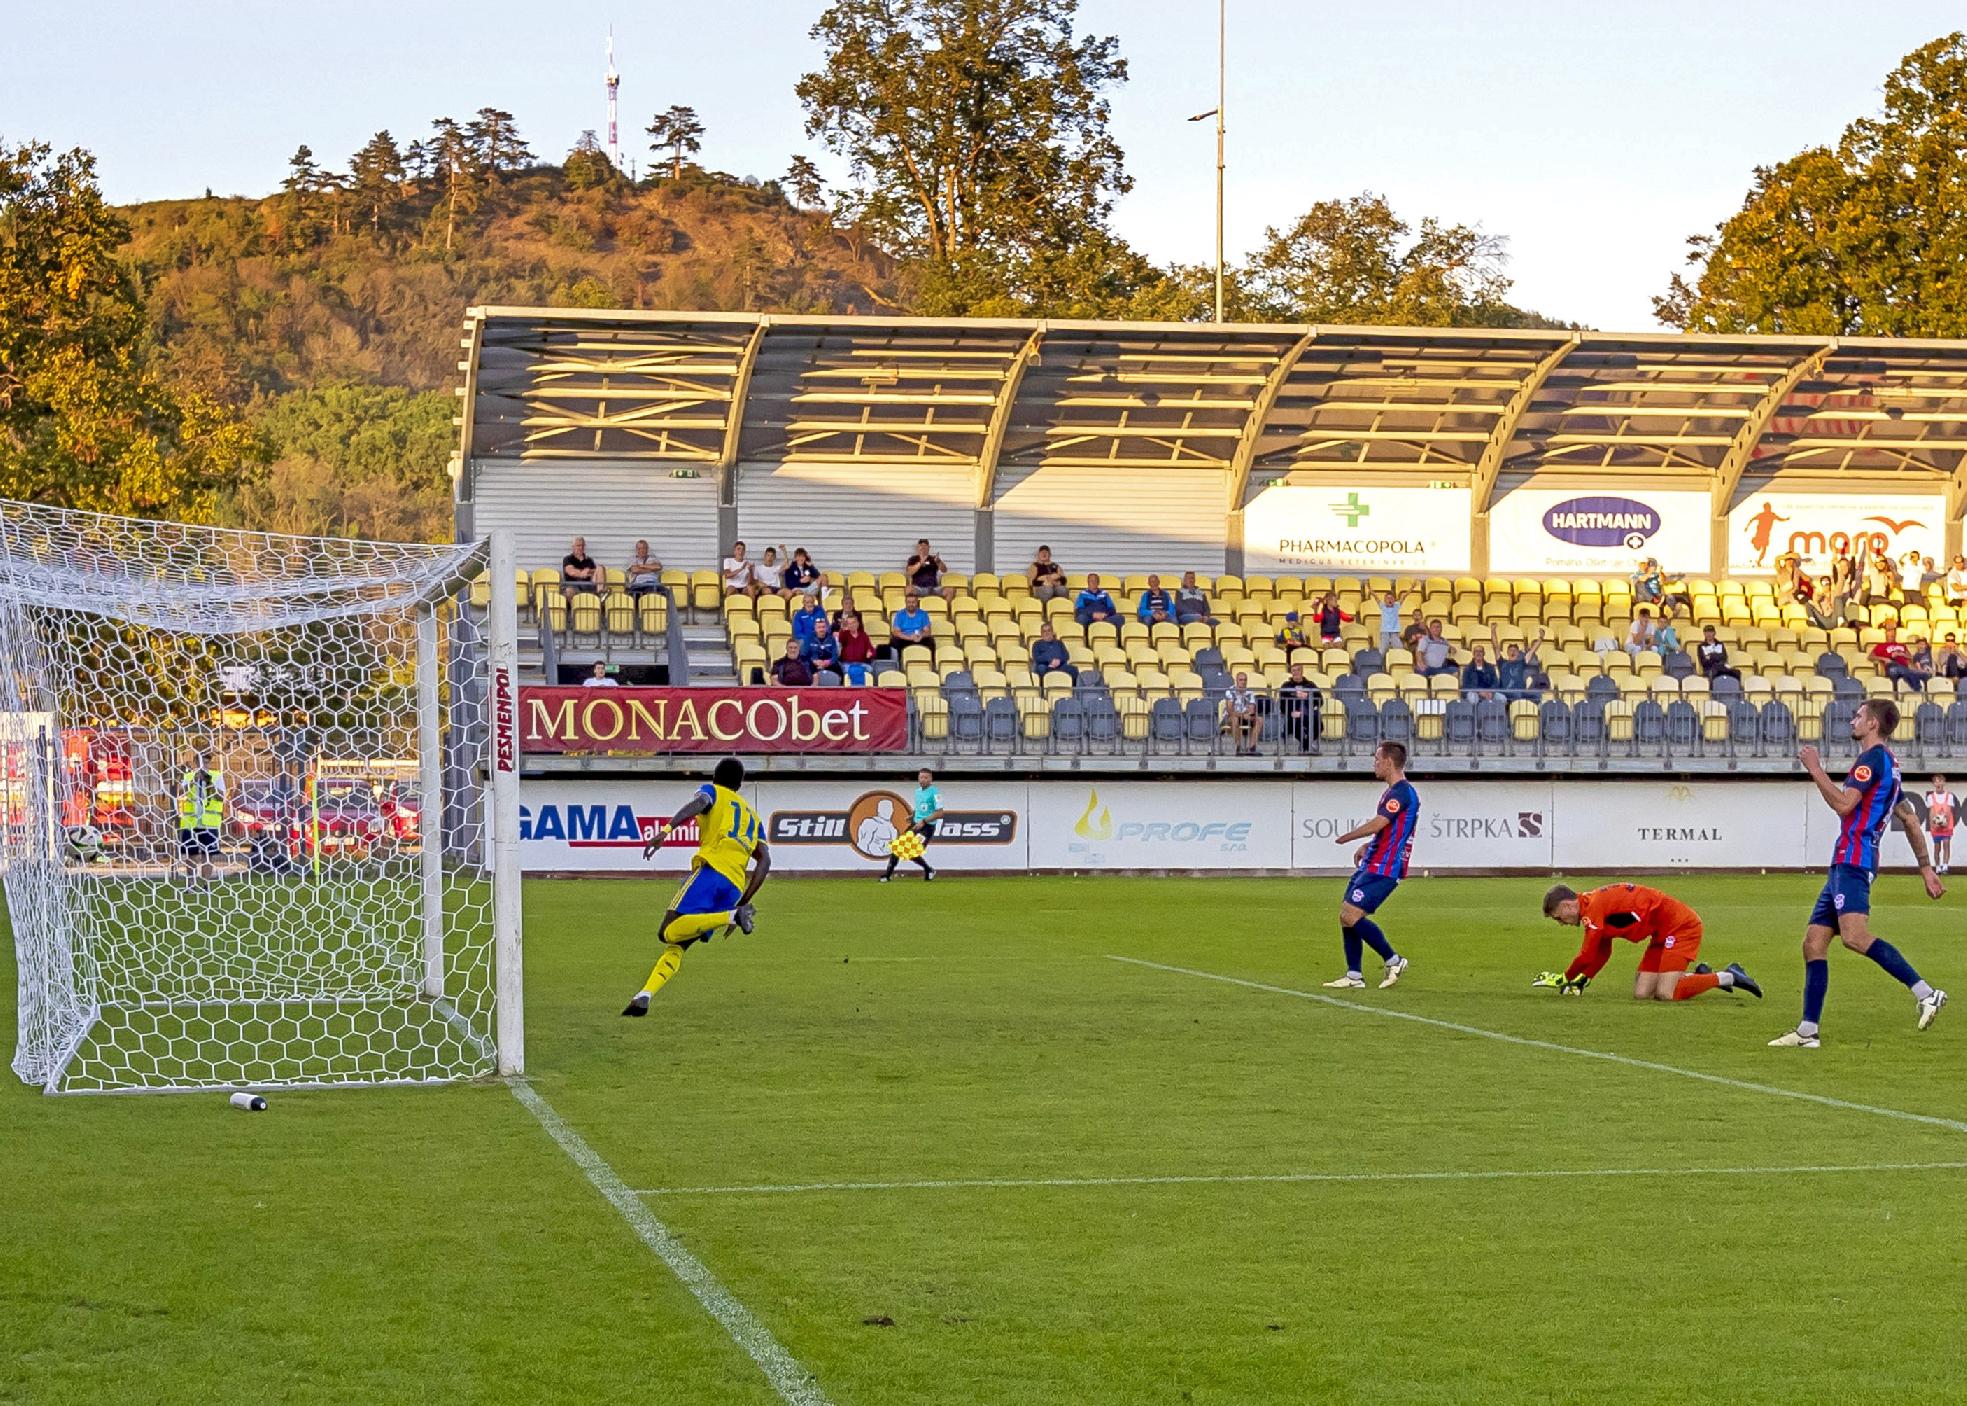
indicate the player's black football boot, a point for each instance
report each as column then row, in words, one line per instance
column 1743, row 981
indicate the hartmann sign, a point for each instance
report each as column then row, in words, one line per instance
column 1566, row 531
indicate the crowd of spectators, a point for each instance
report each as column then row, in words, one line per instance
column 833, row 645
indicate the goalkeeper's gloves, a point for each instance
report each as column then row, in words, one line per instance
column 1548, row 979
column 655, row 840
column 1564, row 985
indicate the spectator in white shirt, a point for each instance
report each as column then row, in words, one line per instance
column 770, row 573
column 740, row 575
column 1643, row 634
column 1956, row 582
column 599, row 678
column 1242, row 717
column 643, row 573
column 1434, row 653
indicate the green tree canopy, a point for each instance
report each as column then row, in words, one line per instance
column 1355, row 260
column 86, row 420
column 1866, row 238
column 353, row 460
column 977, row 132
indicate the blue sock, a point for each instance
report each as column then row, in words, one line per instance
column 1353, row 948
column 1816, row 985
column 1374, row 938
column 1889, row 957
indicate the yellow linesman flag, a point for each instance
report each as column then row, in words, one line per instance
column 907, row 845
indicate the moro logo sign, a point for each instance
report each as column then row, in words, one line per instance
column 1602, row 522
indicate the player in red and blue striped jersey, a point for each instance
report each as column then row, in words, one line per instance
column 1382, row 864
column 1865, row 805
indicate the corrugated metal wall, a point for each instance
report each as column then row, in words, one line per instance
column 546, row 504
column 1112, row 519
column 859, row 517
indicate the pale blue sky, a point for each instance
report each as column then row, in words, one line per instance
column 1596, row 137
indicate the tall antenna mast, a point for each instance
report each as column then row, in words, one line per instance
column 614, row 83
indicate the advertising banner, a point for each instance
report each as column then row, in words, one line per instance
column 1464, row 825
column 1815, row 525
column 1663, row 825
column 1576, row 828
column 1582, row 532
column 1159, row 825
column 652, row 721
column 849, row 825
column 1379, row 531
column 600, row 826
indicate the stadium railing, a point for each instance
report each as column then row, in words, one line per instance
column 1093, row 720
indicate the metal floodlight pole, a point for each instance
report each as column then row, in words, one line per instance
column 1222, row 33
column 1222, row 49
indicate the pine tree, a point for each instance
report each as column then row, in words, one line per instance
column 676, row 132
column 495, row 143
column 587, row 164
column 378, row 174
column 807, row 186
column 451, row 153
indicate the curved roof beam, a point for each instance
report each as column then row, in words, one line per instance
column 1489, row 467
column 1000, row 415
column 1728, row 475
column 1245, row 455
column 467, row 418
column 727, row 460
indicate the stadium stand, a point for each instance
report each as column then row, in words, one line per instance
column 1132, row 449
column 1157, row 689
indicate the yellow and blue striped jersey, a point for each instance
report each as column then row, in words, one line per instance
column 727, row 833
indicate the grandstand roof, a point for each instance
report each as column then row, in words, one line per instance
column 1259, row 403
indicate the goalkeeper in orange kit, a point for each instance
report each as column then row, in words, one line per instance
column 1668, row 969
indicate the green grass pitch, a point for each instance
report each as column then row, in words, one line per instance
column 437, row 1246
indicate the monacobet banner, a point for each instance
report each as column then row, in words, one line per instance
column 652, row 721
column 1158, row 825
column 1298, row 528
column 1594, row 532
column 594, row 825
column 1815, row 525
column 1464, row 825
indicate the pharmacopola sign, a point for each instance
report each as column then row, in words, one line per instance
column 1817, row 525
column 1293, row 527
column 1546, row 529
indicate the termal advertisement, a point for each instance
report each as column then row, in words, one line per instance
column 1299, row 528
column 1594, row 533
column 1816, row 525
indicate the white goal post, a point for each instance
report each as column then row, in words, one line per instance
column 258, row 806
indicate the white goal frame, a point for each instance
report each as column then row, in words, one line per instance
column 301, row 949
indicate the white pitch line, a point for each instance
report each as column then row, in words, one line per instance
column 793, row 1383
column 1932, row 1120
column 1291, row 1178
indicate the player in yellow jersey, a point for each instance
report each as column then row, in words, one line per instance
column 731, row 862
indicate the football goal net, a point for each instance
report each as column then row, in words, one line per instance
column 259, row 805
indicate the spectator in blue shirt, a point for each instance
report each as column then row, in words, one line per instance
column 804, row 619
column 822, row 651
column 1093, row 604
column 911, row 625
column 1048, row 655
column 1154, row 597
column 1479, row 678
column 1516, row 667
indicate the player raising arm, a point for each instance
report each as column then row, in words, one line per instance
column 1865, row 805
column 731, row 861
column 1382, row 864
column 1669, row 928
